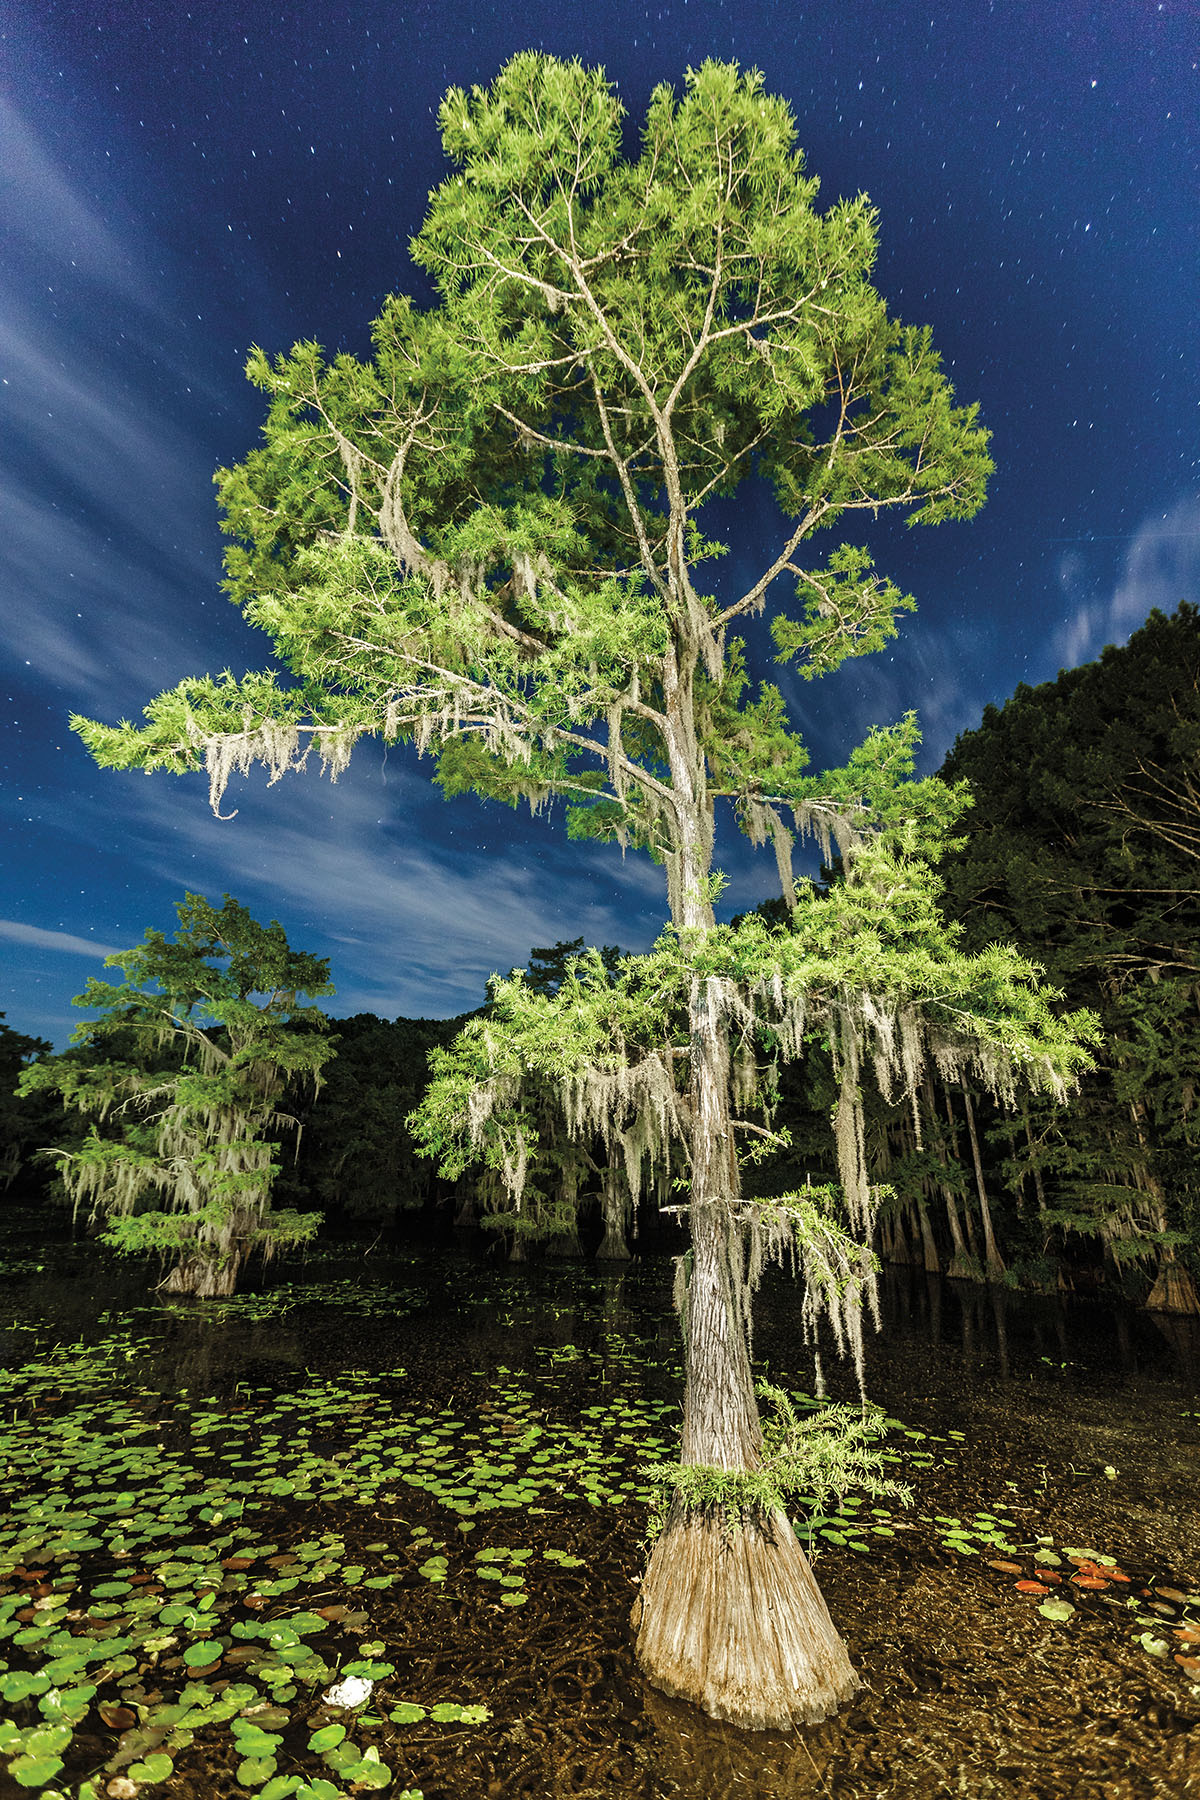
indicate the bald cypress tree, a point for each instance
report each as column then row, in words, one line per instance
column 181, row 1077
column 488, row 538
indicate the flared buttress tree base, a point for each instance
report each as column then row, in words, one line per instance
column 1173, row 1292
column 734, row 1622
column 204, row 1280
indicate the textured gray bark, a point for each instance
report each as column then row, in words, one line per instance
column 613, row 1246
column 733, row 1622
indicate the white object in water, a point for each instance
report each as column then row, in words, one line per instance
column 350, row 1692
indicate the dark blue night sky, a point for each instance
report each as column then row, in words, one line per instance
column 181, row 183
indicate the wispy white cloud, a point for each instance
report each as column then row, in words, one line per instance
column 93, row 623
column 352, row 872
column 1162, row 567
column 45, row 207
column 109, row 536
column 63, row 941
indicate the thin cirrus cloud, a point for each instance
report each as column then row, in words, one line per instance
column 106, row 448
column 85, row 622
column 1161, row 568
column 410, row 929
column 47, row 210
column 64, row 942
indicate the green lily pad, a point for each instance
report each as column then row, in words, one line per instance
column 35, row 1771
column 448, row 1712
column 326, row 1737
column 370, row 1774
column 152, row 1768
column 20, row 1684
column 1056, row 1609
column 253, row 1771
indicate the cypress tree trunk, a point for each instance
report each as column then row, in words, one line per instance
column 961, row 1267
column 731, row 1620
column 933, row 1261
column 204, row 1278
column 972, row 1240
column 565, row 1243
column 1039, row 1186
column 958, row 1253
column 1174, row 1290
column 613, row 1246
column 993, row 1261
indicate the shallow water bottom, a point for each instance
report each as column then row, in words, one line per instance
column 447, row 1455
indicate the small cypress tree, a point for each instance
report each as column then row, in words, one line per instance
column 180, row 1076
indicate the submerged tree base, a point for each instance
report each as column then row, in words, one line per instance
column 734, row 1622
column 203, row 1279
column 1174, row 1291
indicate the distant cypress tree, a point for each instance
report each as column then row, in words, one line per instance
column 357, row 1154
column 19, row 1114
column 180, row 1077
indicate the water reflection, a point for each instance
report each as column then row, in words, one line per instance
column 998, row 1332
column 73, row 1288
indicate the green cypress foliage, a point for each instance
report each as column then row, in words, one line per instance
column 1084, row 847
column 181, row 1076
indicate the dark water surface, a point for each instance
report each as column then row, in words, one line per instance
column 423, row 1470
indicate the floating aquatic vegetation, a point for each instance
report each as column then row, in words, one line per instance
column 196, row 1569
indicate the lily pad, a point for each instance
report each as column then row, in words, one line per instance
column 253, row 1771
column 151, row 1769
column 35, row 1771
column 326, row 1737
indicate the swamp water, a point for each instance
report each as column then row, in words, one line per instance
column 420, row 1474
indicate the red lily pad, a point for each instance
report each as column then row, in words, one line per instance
column 117, row 1718
column 1032, row 1587
column 1005, row 1568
